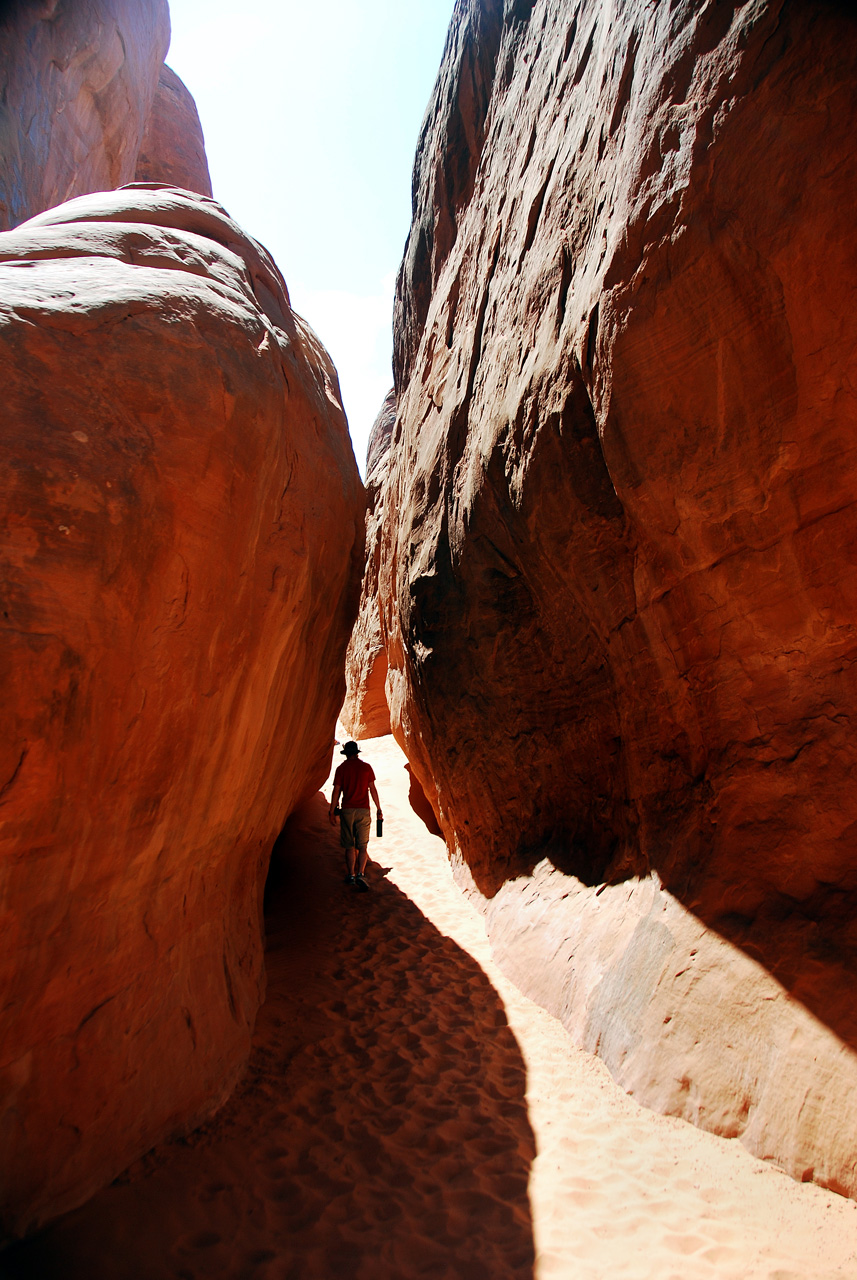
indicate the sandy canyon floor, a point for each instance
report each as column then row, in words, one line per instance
column 408, row 1113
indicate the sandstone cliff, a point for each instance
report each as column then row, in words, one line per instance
column 181, row 530
column 617, row 565
column 365, row 713
column 173, row 149
column 77, row 83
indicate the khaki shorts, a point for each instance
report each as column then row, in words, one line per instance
column 354, row 828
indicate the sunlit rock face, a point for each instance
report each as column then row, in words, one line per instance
column 77, row 82
column 365, row 713
column 618, row 563
column 173, row 149
column 181, row 538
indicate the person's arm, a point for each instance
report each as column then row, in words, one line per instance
column 334, row 799
column 374, row 794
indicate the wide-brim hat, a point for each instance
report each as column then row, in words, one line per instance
column 350, row 749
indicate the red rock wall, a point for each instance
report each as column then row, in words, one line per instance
column 618, row 573
column 181, row 533
column 365, row 713
column 173, row 148
column 77, row 81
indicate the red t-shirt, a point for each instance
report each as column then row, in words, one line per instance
column 354, row 777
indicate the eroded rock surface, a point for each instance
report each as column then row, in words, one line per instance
column 77, row 83
column 173, row 148
column 181, row 532
column 688, row 1022
column 618, row 571
column 365, row 713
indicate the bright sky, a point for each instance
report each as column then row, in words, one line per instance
column 311, row 113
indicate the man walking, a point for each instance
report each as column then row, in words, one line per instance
column 354, row 780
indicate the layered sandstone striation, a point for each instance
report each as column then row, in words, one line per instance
column 181, row 535
column 618, row 576
column 365, row 713
column 77, row 82
column 172, row 150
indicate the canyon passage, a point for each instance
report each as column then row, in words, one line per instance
column 408, row 1112
column 592, row 614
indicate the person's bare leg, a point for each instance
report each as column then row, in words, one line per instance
column 351, row 860
column 362, row 859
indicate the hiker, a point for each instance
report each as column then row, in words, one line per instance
column 354, row 780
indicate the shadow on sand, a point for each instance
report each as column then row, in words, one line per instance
column 381, row 1129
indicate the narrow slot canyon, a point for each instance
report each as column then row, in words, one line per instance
column 589, row 610
column 407, row 1112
